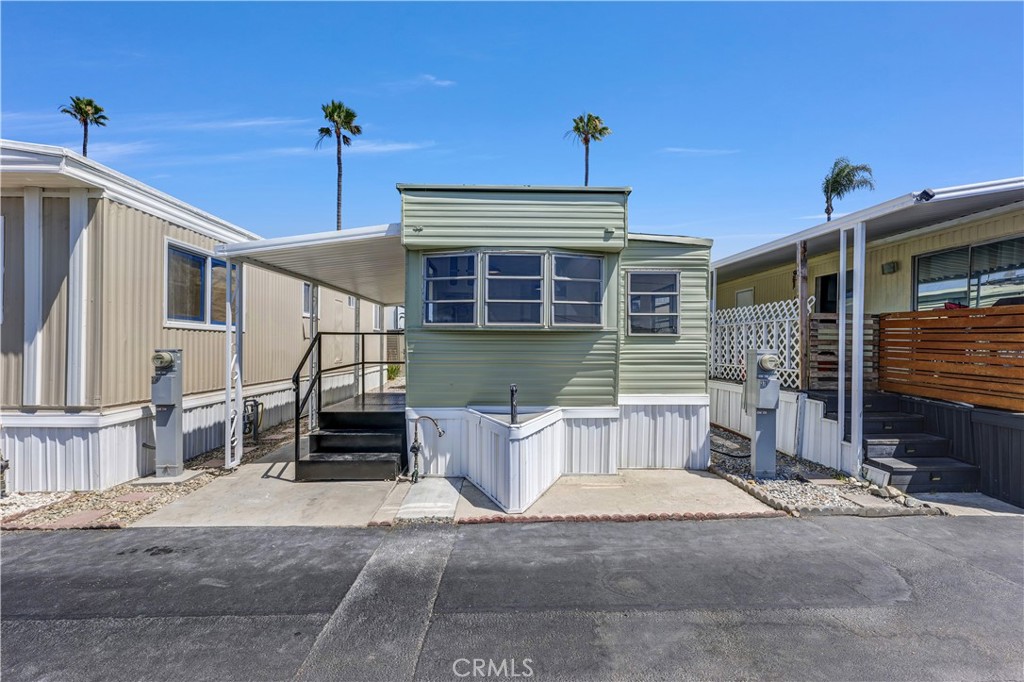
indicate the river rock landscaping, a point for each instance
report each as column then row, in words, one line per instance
column 802, row 487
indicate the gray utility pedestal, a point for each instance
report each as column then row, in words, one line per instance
column 167, row 393
column 760, row 401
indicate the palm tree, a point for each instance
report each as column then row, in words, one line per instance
column 587, row 128
column 340, row 120
column 844, row 178
column 86, row 112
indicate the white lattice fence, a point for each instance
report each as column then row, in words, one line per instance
column 774, row 326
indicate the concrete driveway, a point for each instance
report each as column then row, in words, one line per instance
column 925, row 598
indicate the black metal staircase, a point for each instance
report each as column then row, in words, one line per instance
column 900, row 443
column 362, row 438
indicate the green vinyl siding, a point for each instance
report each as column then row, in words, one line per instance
column 475, row 367
column 514, row 218
column 670, row 365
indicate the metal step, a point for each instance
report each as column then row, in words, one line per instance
column 366, row 421
column 349, row 466
column 361, row 440
column 906, row 445
column 886, row 422
column 928, row 474
column 873, row 402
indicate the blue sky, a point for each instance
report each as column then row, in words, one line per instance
column 725, row 117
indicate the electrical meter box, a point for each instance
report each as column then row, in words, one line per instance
column 167, row 380
column 761, row 387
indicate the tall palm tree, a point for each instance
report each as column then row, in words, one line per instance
column 87, row 113
column 341, row 120
column 844, row 178
column 587, row 128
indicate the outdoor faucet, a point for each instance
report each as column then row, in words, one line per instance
column 417, row 445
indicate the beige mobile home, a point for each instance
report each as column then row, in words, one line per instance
column 925, row 295
column 98, row 271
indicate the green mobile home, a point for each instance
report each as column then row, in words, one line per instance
column 603, row 333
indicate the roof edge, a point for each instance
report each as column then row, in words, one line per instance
column 131, row 192
column 403, row 186
column 671, row 239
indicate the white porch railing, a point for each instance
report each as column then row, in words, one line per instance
column 774, row 326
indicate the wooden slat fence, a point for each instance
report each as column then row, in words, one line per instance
column 823, row 351
column 971, row 355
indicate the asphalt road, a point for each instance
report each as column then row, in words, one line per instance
column 920, row 598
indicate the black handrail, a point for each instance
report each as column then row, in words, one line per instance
column 316, row 379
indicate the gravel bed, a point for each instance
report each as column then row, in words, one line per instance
column 17, row 505
column 791, row 490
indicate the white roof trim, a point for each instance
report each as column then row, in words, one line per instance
column 669, row 239
column 118, row 187
column 241, row 249
column 870, row 213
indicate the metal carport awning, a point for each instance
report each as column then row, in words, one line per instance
column 368, row 262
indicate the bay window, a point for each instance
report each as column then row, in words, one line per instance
column 517, row 289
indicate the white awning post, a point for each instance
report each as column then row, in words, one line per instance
column 841, row 346
column 314, row 359
column 233, row 400
column 857, row 401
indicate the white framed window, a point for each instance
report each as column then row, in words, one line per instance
column 351, row 301
column 449, row 289
column 515, row 289
column 975, row 276
column 378, row 317
column 195, row 287
column 745, row 298
column 653, row 299
column 576, row 294
column 307, row 301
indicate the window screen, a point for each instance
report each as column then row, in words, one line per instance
column 515, row 288
column 653, row 303
column 577, row 290
column 449, row 284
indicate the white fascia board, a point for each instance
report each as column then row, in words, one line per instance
column 671, row 239
column 846, row 222
column 47, row 159
column 264, row 246
column 872, row 212
column 662, row 399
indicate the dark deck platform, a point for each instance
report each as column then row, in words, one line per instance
column 370, row 402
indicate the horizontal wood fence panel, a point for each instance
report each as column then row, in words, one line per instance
column 823, row 351
column 966, row 355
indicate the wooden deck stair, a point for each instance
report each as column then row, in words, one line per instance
column 899, row 443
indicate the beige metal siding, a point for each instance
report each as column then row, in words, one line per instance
column 94, row 305
column 133, row 257
column 667, row 365
column 12, row 330
column 453, row 219
column 883, row 293
column 55, row 226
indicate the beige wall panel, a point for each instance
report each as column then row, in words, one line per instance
column 133, row 252
column 94, row 304
column 883, row 293
column 55, row 225
column 12, row 330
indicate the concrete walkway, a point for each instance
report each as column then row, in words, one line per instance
column 970, row 504
column 631, row 491
column 266, row 494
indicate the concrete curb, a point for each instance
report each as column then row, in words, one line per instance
column 50, row 526
column 606, row 518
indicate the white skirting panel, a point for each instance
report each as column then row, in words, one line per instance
column 55, row 451
column 536, row 463
column 727, row 412
column 488, row 463
column 591, row 446
column 664, row 437
column 820, row 436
